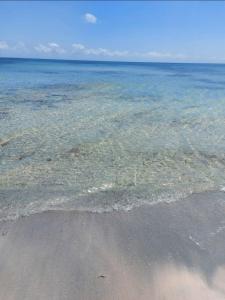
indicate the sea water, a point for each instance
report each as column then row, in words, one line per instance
column 99, row 136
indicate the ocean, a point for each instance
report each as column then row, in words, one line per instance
column 103, row 136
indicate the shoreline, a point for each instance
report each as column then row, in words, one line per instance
column 154, row 252
column 51, row 206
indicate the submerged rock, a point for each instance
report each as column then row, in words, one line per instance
column 75, row 151
column 23, row 156
column 3, row 114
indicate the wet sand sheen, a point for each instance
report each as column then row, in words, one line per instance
column 167, row 251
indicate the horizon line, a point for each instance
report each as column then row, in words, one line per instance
column 112, row 61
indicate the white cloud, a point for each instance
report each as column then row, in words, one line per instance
column 79, row 48
column 20, row 46
column 162, row 55
column 3, row 45
column 56, row 48
column 53, row 45
column 155, row 54
column 16, row 47
column 42, row 48
column 90, row 18
column 50, row 48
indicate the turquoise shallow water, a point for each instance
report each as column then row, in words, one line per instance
column 101, row 136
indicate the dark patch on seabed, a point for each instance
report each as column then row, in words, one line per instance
column 3, row 114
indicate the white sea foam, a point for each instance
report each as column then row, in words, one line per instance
column 222, row 189
column 66, row 203
column 197, row 243
column 104, row 187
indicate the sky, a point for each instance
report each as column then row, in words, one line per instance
column 173, row 31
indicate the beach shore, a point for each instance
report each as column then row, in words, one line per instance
column 165, row 251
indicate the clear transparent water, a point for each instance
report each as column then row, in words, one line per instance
column 102, row 136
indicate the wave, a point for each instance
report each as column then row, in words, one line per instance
column 104, row 198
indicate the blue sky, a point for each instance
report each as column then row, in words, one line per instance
column 119, row 30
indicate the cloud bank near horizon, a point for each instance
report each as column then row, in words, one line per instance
column 79, row 50
column 50, row 48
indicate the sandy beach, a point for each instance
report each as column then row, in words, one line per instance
column 165, row 251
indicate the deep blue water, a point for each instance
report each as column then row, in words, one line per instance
column 99, row 136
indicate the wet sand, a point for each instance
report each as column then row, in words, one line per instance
column 166, row 251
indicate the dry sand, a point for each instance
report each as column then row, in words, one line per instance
column 161, row 252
